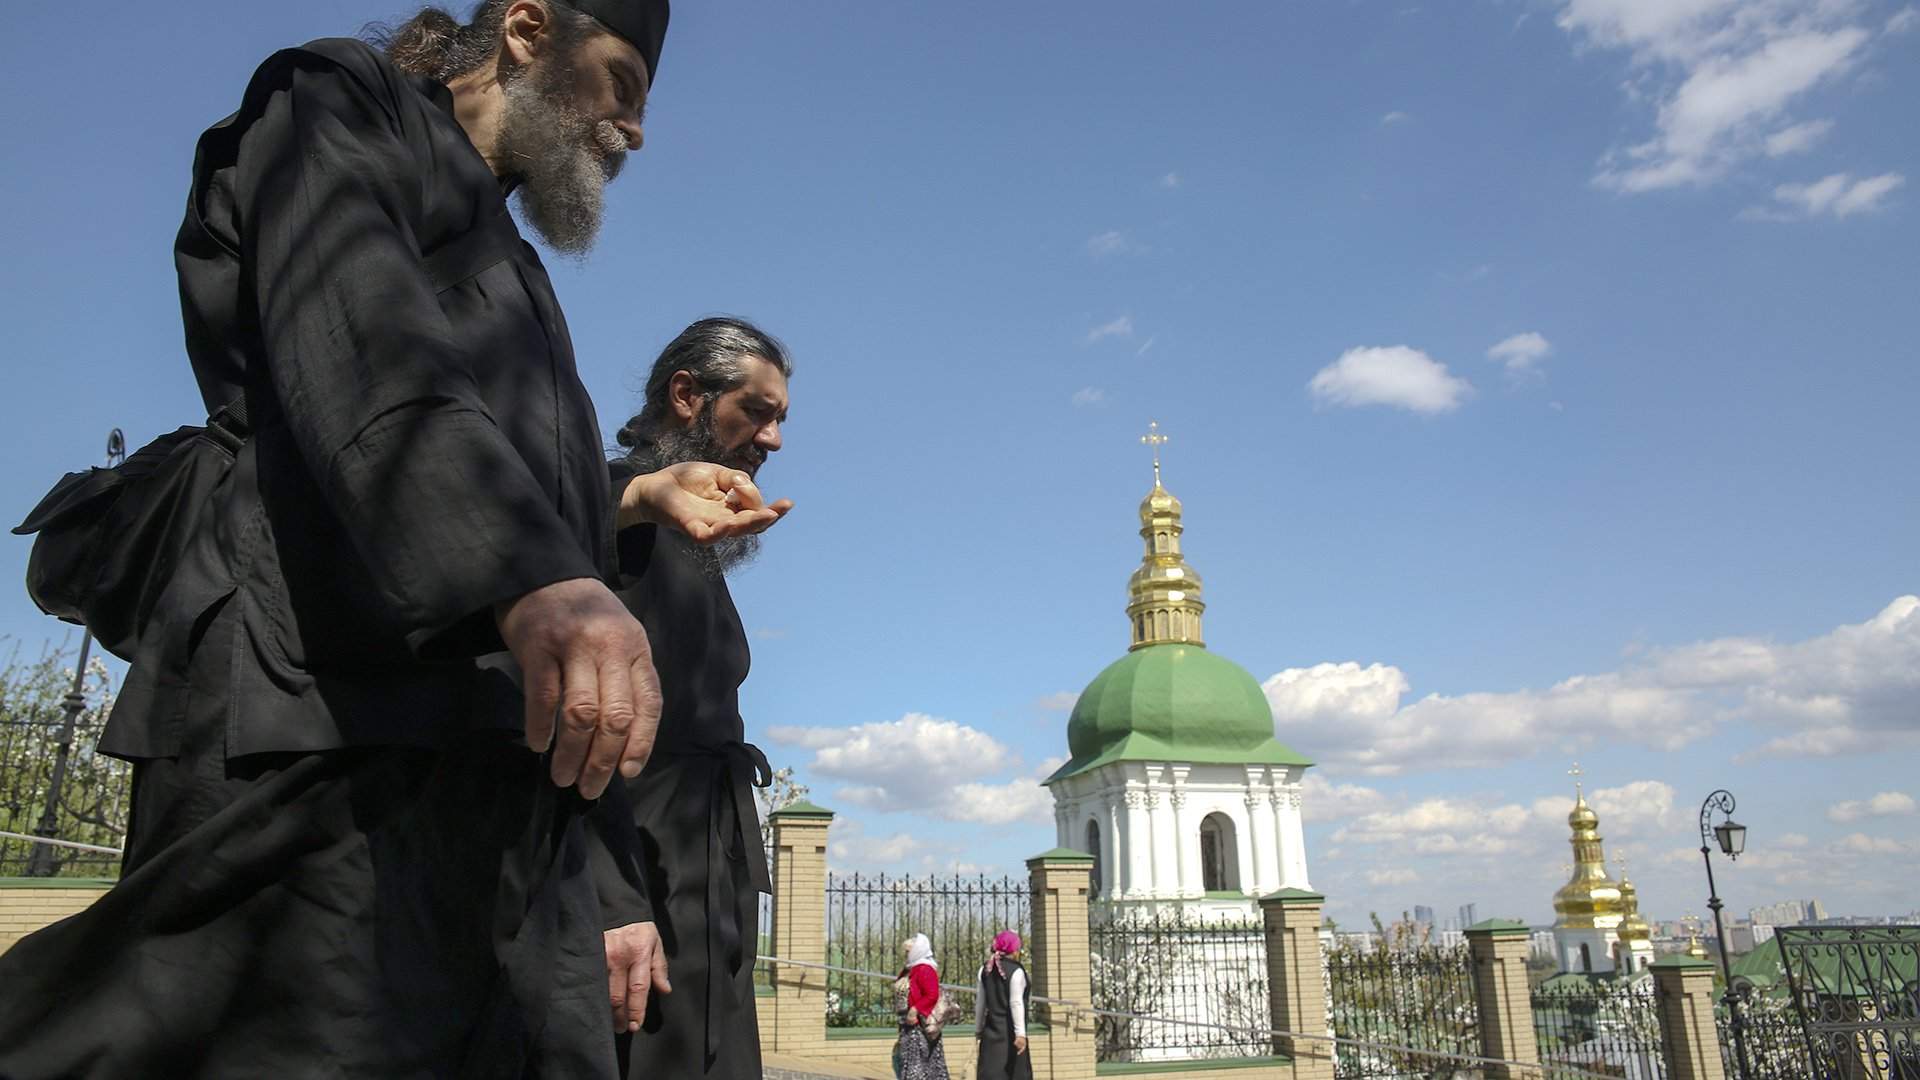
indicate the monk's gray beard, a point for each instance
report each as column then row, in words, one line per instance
column 697, row 443
column 562, row 159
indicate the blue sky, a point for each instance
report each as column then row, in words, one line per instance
column 1501, row 344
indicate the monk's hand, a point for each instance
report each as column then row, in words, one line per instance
column 636, row 966
column 1019, row 1045
column 592, row 694
column 708, row 502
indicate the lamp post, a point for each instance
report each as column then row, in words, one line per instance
column 1731, row 836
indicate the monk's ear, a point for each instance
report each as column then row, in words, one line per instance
column 684, row 396
column 525, row 30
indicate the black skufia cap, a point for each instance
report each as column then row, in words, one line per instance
column 642, row 22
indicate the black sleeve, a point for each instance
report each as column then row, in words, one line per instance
column 385, row 410
column 613, row 854
column 632, row 546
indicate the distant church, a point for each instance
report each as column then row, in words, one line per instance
column 1176, row 784
column 1597, row 928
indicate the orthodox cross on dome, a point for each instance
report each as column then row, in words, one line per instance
column 1576, row 773
column 1155, row 440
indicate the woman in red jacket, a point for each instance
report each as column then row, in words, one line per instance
column 915, row 993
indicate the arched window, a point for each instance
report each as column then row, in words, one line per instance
column 1219, row 855
column 1093, row 848
column 1586, row 959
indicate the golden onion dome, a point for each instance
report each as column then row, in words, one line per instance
column 1632, row 926
column 1163, row 595
column 1589, row 898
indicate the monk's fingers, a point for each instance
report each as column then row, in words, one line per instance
column 742, row 492
column 616, row 715
column 579, row 716
column 645, row 682
column 543, row 702
column 659, row 969
column 637, row 987
column 619, row 978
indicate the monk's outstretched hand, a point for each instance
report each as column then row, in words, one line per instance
column 636, row 966
column 708, row 502
column 591, row 690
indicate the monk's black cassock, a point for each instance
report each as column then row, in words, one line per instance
column 694, row 811
column 342, row 862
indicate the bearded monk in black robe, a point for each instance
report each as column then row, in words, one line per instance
column 717, row 394
column 344, row 858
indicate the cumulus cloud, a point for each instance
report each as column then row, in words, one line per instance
column 1121, row 327
column 924, row 764
column 1853, row 689
column 1721, row 77
column 1170, row 180
column 1797, row 139
column 1885, row 804
column 1393, row 375
column 1521, row 352
column 1836, row 196
column 1398, row 875
column 1089, row 396
column 1322, row 799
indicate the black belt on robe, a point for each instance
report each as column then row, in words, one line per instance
column 744, row 768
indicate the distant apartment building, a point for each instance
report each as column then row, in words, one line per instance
column 1469, row 914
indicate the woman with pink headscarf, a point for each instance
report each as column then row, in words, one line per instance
column 1001, row 1009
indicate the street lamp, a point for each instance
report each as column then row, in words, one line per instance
column 1732, row 839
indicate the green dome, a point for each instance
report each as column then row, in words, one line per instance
column 1173, row 703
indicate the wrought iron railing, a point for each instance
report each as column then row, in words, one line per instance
column 1776, row 1043
column 1419, row 996
column 1212, row 975
column 869, row 917
column 1609, row 1026
column 1857, row 992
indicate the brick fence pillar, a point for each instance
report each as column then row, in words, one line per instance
column 1499, row 951
column 1061, row 966
column 1683, row 987
column 1296, row 988
column 797, row 1023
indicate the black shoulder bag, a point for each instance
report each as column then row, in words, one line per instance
column 107, row 541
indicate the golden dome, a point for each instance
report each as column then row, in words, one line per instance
column 1589, row 898
column 1163, row 595
column 1632, row 926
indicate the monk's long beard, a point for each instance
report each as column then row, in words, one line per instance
column 698, row 443
column 562, row 159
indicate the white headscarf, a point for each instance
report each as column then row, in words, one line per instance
column 920, row 951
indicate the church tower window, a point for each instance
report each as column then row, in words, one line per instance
column 1219, row 855
column 1093, row 848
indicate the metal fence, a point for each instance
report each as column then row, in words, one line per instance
column 1776, row 1043
column 869, row 918
column 52, row 782
column 1608, row 1026
column 1417, row 996
column 1183, row 969
column 1857, row 992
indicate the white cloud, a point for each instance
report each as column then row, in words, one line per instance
column 1861, row 843
column 1088, row 396
column 1144, row 346
column 1121, row 327
column 1324, row 800
column 1839, row 195
column 1059, row 701
column 1398, row 875
column 849, row 845
column 1721, row 76
column 1111, row 242
column 1854, row 689
column 927, row 765
column 1394, row 375
column 1797, row 139
column 1903, row 20
column 1394, row 117
column 1885, row 804
column 1521, row 352
column 1170, row 181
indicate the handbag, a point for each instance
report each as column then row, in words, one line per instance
column 945, row 1011
column 109, row 540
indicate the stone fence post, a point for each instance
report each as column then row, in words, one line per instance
column 1296, row 987
column 1683, row 989
column 1499, row 951
column 1061, row 964
column 797, row 1021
